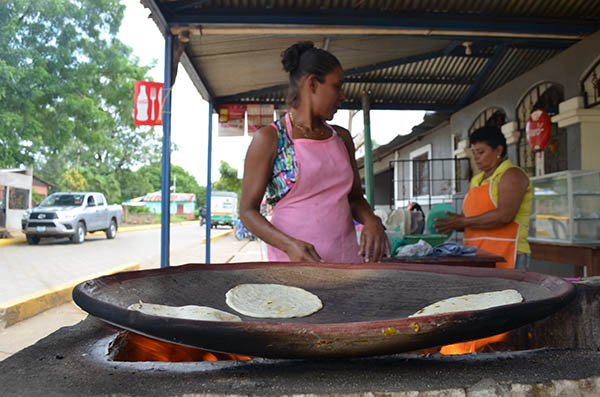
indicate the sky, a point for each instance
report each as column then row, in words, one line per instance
column 189, row 112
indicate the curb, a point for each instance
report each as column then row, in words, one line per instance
column 15, row 310
column 218, row 236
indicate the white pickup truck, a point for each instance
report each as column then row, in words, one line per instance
column 72, row 215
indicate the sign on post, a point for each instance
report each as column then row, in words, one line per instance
column 538, row 130
column 147, row 101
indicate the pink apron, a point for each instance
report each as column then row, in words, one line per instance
column 317, row 209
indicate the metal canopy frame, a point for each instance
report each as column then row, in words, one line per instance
column 480, row 46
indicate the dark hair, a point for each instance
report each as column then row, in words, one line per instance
column 492, row 136
column 302, row 59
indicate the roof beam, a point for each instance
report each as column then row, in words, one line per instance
column 381, row 21
column 403, row 61
column 483, row 74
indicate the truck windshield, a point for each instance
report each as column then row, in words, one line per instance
column 63, row 200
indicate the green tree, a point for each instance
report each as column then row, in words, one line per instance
column 72, row 181
column 132, row 184
column 105, row 183
column 229, row 181
column 66, row 87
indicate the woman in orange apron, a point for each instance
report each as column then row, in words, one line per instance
column 496, row 209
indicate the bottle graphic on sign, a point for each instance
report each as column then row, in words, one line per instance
column 142, row 104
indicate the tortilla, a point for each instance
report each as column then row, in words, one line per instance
column 272, row 301
column 189, row 312
column 463, row 303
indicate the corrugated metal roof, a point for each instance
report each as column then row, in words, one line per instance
column 408, row 54
column 536, row 8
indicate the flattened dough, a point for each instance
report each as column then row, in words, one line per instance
column 272, row 301
column 190, row 312
column 463, row 303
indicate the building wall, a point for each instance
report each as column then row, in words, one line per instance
column 189, row 207
column 14, row 180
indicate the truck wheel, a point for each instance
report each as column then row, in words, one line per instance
column 79, row 236
column 32, row 239
column 111, row 232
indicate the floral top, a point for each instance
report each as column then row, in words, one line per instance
column 285, row 168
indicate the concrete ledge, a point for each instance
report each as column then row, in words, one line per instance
column 218, row 236
column 12, row 241
column 27, row 306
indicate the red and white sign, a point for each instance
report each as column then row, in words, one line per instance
column 147, row 103
column 538, row 130
column 232, row 120
column 259, row 116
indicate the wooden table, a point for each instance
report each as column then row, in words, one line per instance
column 481, row 259
column 586, row 258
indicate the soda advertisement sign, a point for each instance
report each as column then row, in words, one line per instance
column 147, row 101
column 232, row 120
column 538, row 130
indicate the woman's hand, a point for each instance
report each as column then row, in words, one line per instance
column 301, row 251
column 447, row 225
column 374, row 244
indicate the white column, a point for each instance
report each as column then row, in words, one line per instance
column 464, row 151
column 511, row 132
column 571, row 112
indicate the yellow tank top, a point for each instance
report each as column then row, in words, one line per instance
column 523, row 214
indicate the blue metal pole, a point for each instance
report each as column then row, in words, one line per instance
column 165, row 179
column 208, row 183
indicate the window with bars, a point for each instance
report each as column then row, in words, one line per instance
column 493, row 116
column 590, row 89
column 429, row 181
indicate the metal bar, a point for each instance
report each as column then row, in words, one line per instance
column 165, row 180
column 384, row 18
column 208, row 184
column 483, row 74
column 369, row 177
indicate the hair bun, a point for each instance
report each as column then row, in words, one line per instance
column 290, row 58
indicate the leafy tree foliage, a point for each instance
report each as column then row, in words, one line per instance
column 66, row 87
column 132, row 184
column 72, row 181
column 229, row 181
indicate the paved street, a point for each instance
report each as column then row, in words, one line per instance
column 53, row 262
column 26, row 269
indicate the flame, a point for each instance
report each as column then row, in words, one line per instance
column 477, row 345
column 142, row 348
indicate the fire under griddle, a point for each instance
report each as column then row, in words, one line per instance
column 365, row 307
column 73, row 361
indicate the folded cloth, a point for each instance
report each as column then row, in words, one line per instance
column 422, row 248
column 453, row 249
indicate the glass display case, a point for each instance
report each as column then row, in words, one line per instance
column 566, row 208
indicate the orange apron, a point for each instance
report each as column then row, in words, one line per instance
column 501, row 241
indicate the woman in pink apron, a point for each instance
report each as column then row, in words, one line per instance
column 307, row 171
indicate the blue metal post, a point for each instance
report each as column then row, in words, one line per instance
column 208, row 183
column 165, row 179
